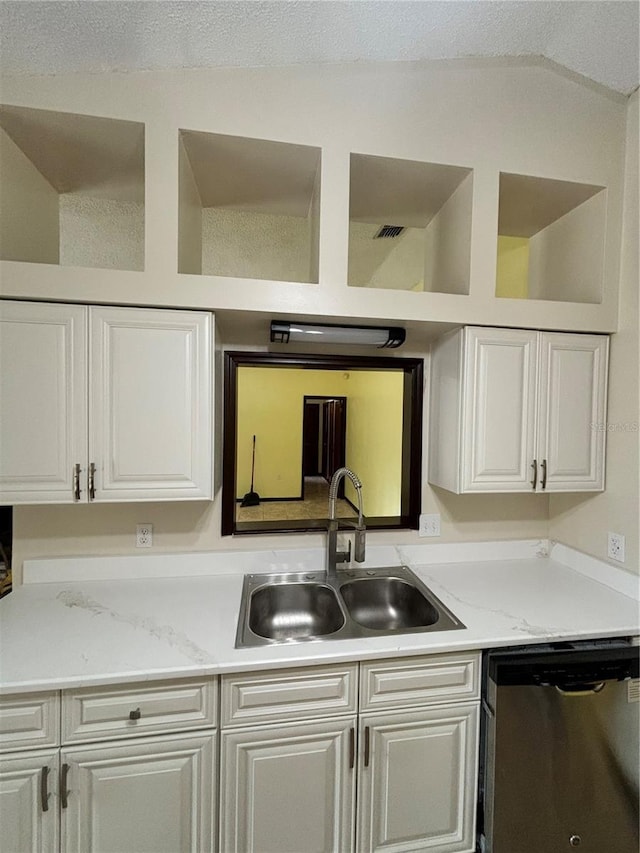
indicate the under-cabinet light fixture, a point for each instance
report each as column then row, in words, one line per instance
column 388, row 337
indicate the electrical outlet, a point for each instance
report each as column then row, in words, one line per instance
column 615, row 546
column 429, row 524
column 144, row 535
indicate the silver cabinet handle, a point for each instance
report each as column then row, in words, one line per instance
column 367, row 745
column 76, row 481
column 44, row 789
column 534, row 482
column 64, row 793
column 543, row 465
column 91, row 482
column 352, row 748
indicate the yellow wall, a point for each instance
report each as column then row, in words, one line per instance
column 374, row 439
column 512, row 272
column 270, row 406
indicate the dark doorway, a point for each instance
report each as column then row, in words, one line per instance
column 324, row 437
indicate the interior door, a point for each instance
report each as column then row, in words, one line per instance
column 334, row 437
column 310, row 439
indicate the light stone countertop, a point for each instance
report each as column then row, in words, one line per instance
column 80, row 632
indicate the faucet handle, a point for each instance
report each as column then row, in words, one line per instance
column 359, row 544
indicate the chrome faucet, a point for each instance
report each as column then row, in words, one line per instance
column 333, row 555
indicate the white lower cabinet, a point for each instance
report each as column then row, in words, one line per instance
column 378, row 756
column 417, row 777
column 28, row 802
column 151, row 790
column 153, row 795
column 288, row 788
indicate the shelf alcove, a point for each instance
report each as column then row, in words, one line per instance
column 430, row 206
column 72, row 189
column 248, row 208
column 550, row 239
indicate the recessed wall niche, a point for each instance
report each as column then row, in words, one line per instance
column 72, row 189
column 550, row 239
column 409, row 225
column 248, row 208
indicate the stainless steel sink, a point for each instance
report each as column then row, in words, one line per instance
column 356, row 603
column 294, row 611
column 387, row 604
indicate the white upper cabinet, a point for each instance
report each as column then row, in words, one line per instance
column 43, row 400
column 105, row 404
column 150, row 412
column 517, row 411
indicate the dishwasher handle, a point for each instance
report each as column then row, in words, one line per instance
column 580, row 689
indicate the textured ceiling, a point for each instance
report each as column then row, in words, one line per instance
column 596, row 39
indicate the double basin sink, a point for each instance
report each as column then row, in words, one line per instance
column 303, row 606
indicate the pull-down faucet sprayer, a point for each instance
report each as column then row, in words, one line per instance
column 333, row 555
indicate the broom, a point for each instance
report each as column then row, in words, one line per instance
column 252, row 498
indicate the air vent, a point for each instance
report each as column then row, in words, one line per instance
column 389, row 231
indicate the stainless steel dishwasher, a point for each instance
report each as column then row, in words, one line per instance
column 559, row 755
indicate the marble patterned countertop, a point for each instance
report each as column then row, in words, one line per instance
column 82, row 622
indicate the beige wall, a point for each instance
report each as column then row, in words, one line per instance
column 189, row 217
column 255, row 245
column 488, row 117
column 101, row 232
column 448, row 243
column 583, row 522
column 566, row 258
column 29, row 228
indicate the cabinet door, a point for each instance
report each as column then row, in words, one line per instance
column 28, row 802
column 43, row 401
column 572, row 412
column 151, row 411
column 288, row 788
column 499, row 410
column 417, row 786
column 151, row 796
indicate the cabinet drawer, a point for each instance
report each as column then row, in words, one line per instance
column 106, row 713
column 31, row 719
column 405, row 682
column 289, row 694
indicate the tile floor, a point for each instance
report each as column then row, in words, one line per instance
column 314, row 505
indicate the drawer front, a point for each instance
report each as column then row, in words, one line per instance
column 289, row 694
column 31, row 719
column 405, row 682
column 106, row 713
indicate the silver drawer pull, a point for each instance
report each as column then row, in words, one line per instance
column 135, row 715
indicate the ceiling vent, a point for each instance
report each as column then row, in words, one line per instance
column 389, row 231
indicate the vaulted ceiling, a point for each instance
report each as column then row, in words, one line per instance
column 597, row 39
